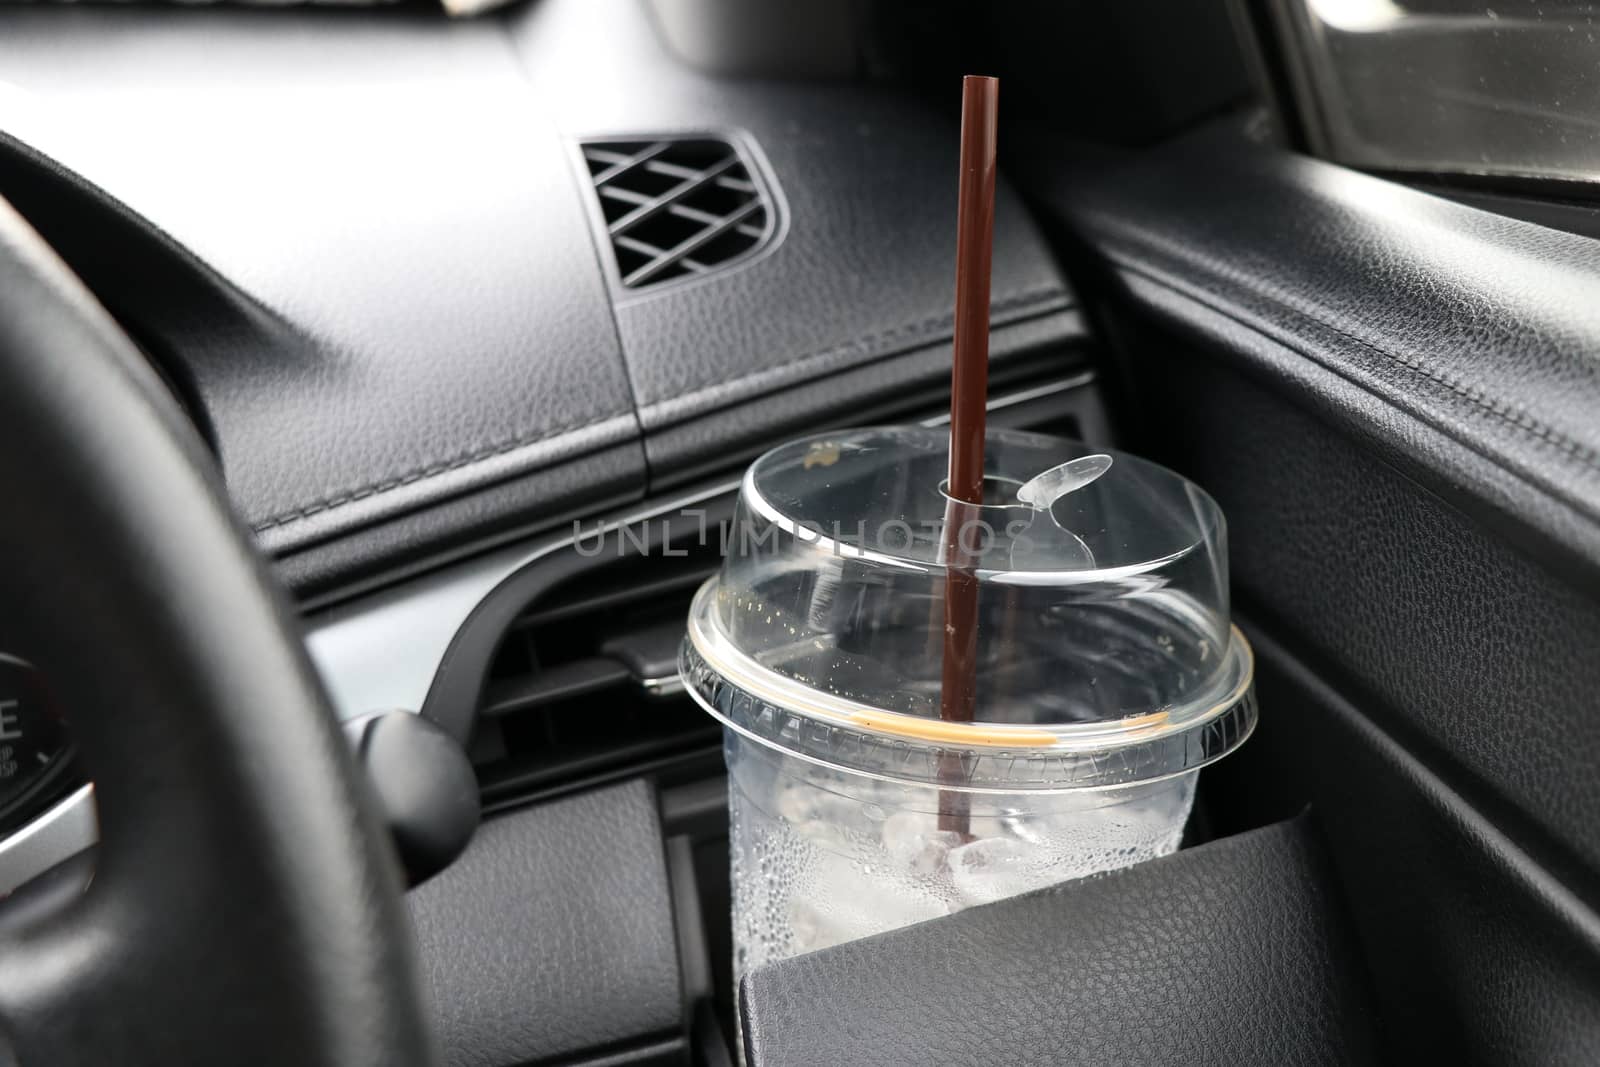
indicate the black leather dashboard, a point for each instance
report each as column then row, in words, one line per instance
column 1483, row 393
column 538, row 947
column 864, row 274
column 1231, row 953
column 387, row 197
column 1458, row 342
column 1391, row 396
column 424, row 350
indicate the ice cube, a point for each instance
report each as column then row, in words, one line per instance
column 800, row 801
column 796, row 802
column 991, row 869
column 841, row 901
column 915, row 843
column 827, row 835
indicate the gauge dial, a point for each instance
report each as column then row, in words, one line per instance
column 33, row 739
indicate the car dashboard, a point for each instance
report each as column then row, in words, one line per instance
column 377, row 257
column 482, row 321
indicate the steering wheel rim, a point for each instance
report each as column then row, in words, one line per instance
column 245, row 907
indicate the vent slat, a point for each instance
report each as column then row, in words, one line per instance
column 584, row 681
column 564, row 682
column 677, row 192
column 667, row 580
column 622, row 166
column 690, row 244
column 673, row 170
column 627, row 196
column 677, row 207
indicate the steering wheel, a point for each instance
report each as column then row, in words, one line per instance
column 245, row 906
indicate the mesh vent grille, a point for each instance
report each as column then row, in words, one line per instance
column 677, row 208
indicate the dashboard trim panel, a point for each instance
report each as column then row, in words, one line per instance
column 383, row 652
column 68, row 828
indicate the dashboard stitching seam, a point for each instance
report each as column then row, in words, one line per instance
column 1511, row 416
column 432, row 470
column 912, row 330
column 498, row 448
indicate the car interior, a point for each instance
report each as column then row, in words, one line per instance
column 378, row 381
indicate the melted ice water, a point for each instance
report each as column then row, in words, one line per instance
column 814, row 868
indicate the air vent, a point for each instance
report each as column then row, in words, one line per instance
column 678, row 207
column 584, row 684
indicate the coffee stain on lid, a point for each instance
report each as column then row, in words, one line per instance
column 821, row 454
column 964, row 733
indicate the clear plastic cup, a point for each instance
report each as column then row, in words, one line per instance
column 1107, row 673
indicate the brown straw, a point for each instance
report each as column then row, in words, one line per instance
column 969, row 388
